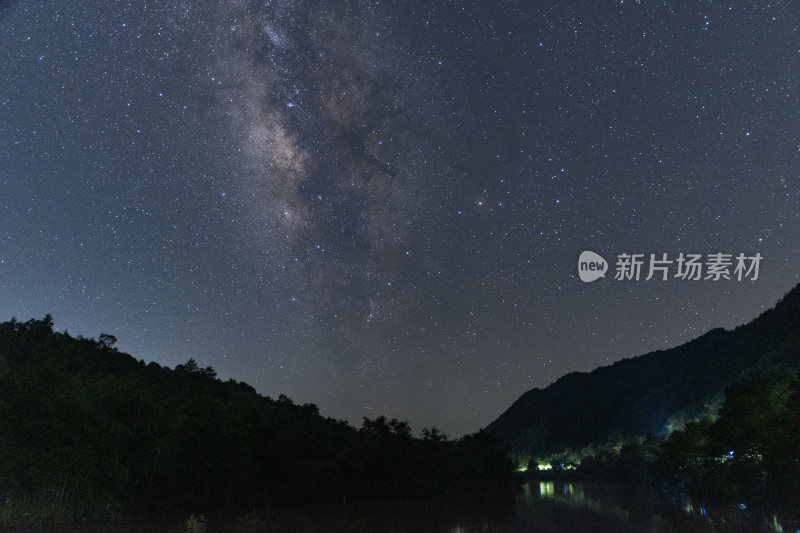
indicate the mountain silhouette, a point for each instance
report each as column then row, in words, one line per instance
column 651, row 393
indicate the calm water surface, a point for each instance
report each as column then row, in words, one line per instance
column 562, row 506
column 541, row 506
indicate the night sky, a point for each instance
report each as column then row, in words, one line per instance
column 378, row 207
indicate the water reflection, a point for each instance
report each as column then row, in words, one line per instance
column 562, row 506
column 546, row 488
column 540, row 506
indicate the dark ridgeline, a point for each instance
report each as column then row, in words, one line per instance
column 88, row 431
column 719, row 415
column 640, row 395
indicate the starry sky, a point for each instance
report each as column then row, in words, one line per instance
column 377, row 206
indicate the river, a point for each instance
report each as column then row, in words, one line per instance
column 541, row 506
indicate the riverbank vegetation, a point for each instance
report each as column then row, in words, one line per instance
column 748, row 453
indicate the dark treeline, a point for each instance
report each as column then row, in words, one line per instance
column 749, row 453
column 89, row 432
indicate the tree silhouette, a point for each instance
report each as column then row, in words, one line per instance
column 88, row 430
column 106, row 340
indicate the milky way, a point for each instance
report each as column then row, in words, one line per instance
column 378, row 206
column 320, row 105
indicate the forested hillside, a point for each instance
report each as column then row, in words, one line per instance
column 90, row 432
column 652, row 393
